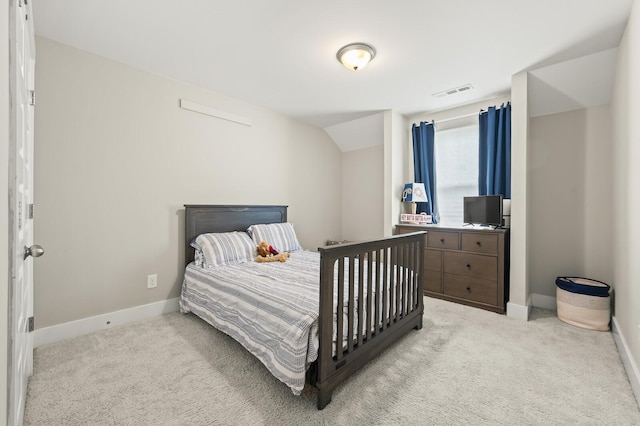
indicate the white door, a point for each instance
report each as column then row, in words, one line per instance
column 21, row 205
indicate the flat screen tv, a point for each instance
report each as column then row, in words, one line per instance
column 483, row 210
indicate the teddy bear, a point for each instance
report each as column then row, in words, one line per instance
column 267, row 253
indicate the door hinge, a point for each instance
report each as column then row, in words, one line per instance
column 31, row 325
column 33, row 97
column 30, row 211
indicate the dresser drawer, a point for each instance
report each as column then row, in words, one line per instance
column 432, row 260
column 471, row 265
column 480, row 243
column 474, row 289
column 443, row 240
column 432, row 281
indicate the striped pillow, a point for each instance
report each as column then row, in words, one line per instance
column 226, row 248
column 279, row 235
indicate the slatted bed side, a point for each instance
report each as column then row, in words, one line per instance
column 383, row 301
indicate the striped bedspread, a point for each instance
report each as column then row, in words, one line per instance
column 269, row 308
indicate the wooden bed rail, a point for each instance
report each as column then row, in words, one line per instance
column 380, row 285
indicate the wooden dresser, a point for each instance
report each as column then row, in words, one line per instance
column 466, row 265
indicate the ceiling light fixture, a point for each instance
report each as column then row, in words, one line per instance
column 356, row 56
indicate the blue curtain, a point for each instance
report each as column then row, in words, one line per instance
column 424, row 167
column 495, row 151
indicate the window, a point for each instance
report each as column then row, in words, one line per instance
column 456, row 155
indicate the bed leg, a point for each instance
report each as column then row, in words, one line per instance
column 324, row 398
column 419, row 325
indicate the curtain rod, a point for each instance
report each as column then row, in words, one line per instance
column 458, row 117
column 463, row 116
column 453, row 118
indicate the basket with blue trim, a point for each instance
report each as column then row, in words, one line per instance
column 584, row 302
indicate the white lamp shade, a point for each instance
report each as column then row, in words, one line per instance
column 414, row 193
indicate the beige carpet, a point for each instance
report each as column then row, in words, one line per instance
column 466, row 366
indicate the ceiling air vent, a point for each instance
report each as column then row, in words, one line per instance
column 453, row 91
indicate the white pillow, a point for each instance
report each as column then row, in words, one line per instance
column 226, row 248
column 280, row 236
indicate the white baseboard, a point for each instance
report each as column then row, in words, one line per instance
column 518, row 311
column 68, row 330
column 627, row 359
column 544, row 302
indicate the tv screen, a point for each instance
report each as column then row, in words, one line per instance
column 483, row 210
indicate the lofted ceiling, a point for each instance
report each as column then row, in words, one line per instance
column 281, row 54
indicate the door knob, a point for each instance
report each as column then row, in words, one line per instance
column 34, row 251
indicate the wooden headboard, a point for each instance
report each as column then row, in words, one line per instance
column 202, row 219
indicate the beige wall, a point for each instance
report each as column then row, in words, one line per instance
column 598, row 196
column 117, row 159
column 569, row 171
column 4, row 208
column 519, row 286
column 362, row 195
column 372, row 183
column 395, row 154
column 625, row 109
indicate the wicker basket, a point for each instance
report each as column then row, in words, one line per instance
column 583, row 302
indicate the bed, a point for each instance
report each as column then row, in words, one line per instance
column 377, row 283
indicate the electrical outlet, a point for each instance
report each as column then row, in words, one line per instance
column 152, row 281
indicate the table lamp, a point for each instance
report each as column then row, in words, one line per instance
column 413, row 193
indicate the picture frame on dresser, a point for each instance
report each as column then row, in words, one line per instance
column 465, row 265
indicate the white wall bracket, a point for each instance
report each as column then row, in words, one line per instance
column 203, row 109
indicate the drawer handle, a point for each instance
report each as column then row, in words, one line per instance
column 478, row 243
column 469, row 289
column 442, row 240
column 468, row 266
